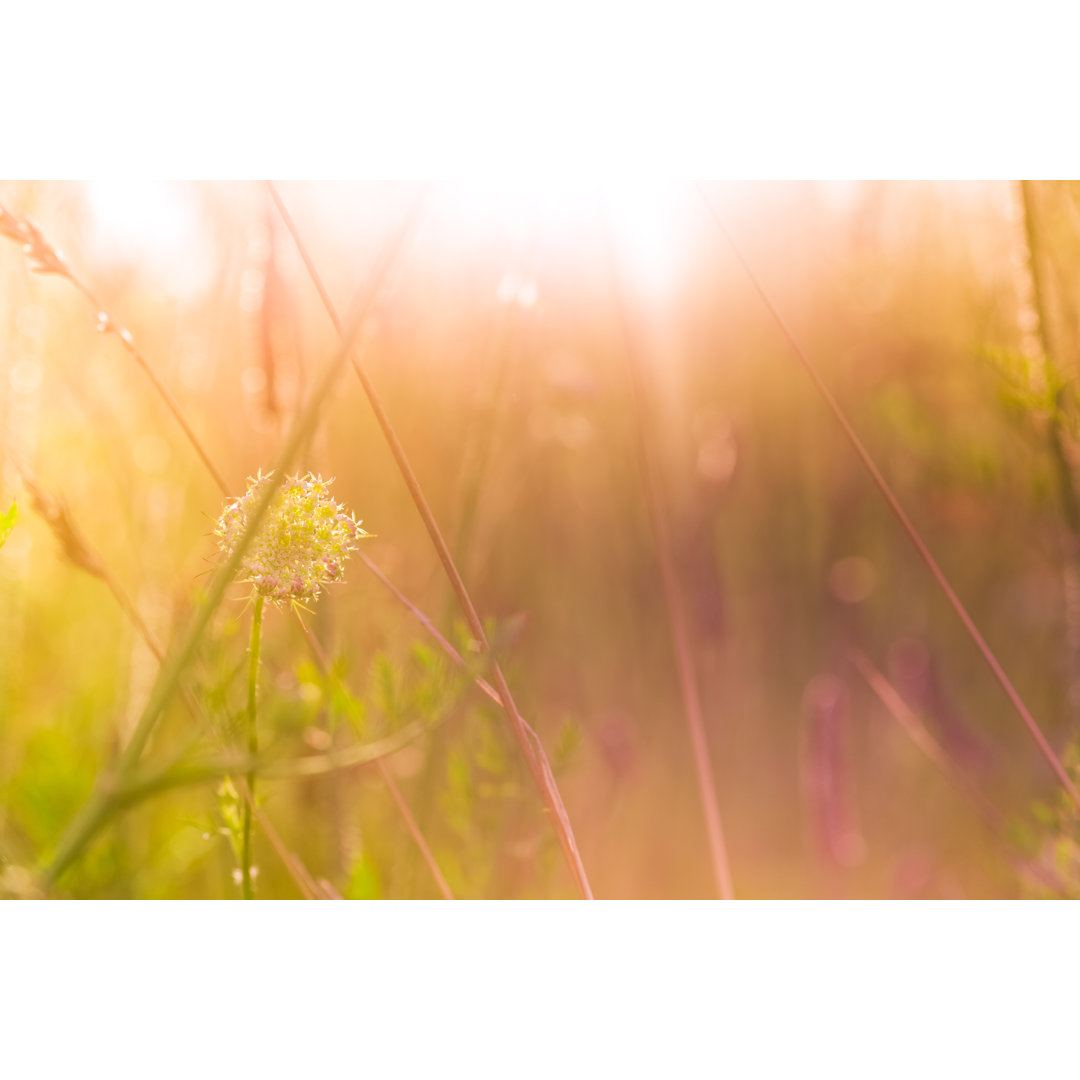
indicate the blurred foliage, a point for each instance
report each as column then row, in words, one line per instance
column 503, row 366
column 7, row 522
column 1053, row 837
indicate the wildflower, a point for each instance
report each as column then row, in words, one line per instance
column 302, row 543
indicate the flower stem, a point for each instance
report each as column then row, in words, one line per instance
column 253, row 743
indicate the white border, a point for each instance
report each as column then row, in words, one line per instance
column 539, row 989
column 410, row 89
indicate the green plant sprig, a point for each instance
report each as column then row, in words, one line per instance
column 302, row 546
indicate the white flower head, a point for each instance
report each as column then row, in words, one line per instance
column 302, row 543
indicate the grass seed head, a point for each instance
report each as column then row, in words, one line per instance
column 41, row 256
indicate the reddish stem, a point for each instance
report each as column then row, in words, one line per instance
column 894, row 504
column 676, row 609
column 528, row 741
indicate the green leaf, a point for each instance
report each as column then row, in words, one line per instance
column 7, row 522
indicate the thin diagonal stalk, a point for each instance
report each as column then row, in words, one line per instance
column 107, row 323
column 136, row 787
column 428, row 625
column 528, row 741
column 56, row 264
column 918, row 733
column 673, row 600
column 905, row 522
column 55, row 514
column 98, row 808
column 410, row 822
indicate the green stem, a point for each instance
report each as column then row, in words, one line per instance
column 253, row 742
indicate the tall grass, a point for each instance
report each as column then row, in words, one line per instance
column 532, row 749
column 104, row 803
column 906, row 524
column 673, row 595
column 593, row 562
column 111, row 792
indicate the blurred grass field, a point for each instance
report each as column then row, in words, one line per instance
column 499, row 354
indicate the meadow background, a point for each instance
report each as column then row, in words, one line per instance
column 504, row 347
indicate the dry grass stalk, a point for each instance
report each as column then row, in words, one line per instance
column 43, row 258
column 674, row 601
column 528, row 741
column 920, row 735
column 906, row 524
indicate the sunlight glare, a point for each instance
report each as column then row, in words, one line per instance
column 649, row 227
column 648, row 220
column 152, row 224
